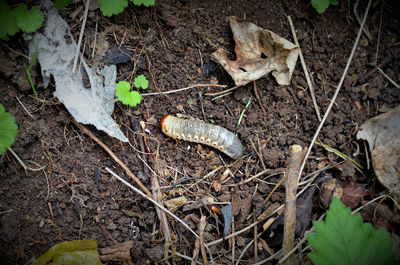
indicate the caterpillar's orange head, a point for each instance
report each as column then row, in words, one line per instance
column 162, row 122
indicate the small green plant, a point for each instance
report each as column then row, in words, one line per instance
column 322, row 5
column 343, row 239
column 109, row 8
column 28, row 68
column 8, row 130
column 60, row 4
column 18, row 18
column 128, row 97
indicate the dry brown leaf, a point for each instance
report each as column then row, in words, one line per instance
column 383, row 135
column 352, row 195
column 258, row 52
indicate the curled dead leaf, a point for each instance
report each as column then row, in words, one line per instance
column 383, row 135
column 258, row 52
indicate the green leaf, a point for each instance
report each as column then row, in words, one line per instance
column 8, row 129
column 131, row 98
column 112, row 7
column 28, row 21
column 334, row 2
column 60, row 4
column 320, row 5
column 8, row 23
column 141, row 82
column 343, row 239
column 146, row 3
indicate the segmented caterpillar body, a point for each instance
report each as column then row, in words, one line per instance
column 200, row 132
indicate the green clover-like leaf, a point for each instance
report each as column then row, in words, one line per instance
column 343, row 239
column 141, row 82
column 8, row 129
column 112, row 7
column 334, row 2
column 60, row 4
column 320, row 5
column 28, row 21
column 146, row 3
column 123, row 93
column 8, row 23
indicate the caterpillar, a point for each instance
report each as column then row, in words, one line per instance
column 200, row 132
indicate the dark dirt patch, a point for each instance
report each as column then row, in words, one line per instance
column 170, row 43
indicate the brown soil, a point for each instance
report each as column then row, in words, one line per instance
column 171, row 43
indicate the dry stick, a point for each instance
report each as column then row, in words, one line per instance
column 388, row 78
column 153, row 201
column 221, row 92
column 81, row 35
column 24, row 107
column 95, row 35
column 116, row 159
column 202, row 225
column 275, row 188
column 181, row 89
column 154, row 185
column 303, row 64
column 23, row 164
column 336, row 92
column 289, row 225
column 157, row 196
column 255, row 239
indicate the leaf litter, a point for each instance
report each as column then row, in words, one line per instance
column 55, row 53
column 258, row 52
column 383, row 136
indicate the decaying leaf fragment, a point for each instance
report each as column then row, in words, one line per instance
column 383, row 135
column 258, row 52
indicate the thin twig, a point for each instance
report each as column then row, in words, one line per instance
column 181, row 89
column 153, row 201
column 303, row 64
column 116, row 159
column 336, row 92
column 95, row 35
column 221, row 92
column 388, row 78
column 255, row 245
column 78, row 46
column 23, row 164
column 45, row 176
column 275, row 188
column 250, row 179
column 379, row 35
column 202, row 226
column 24, row 107
column 158, row 197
